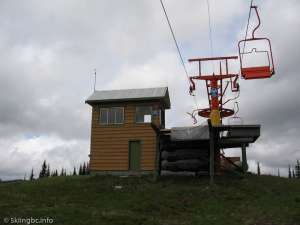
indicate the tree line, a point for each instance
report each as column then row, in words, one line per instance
column 45, row 171
column 293, row 172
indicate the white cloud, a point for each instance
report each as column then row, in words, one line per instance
column 23, row 154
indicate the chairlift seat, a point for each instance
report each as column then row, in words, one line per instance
column 235, row 120
column 258, row 72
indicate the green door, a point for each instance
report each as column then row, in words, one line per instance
column 134, row 155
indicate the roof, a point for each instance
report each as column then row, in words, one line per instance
column 122, row 95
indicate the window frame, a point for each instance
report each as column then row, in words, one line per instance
column 151, row 112
column 108, row 113
column 115, row 121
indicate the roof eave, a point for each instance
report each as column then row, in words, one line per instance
column 163, row 100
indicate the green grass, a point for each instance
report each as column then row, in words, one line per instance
column 92, row 200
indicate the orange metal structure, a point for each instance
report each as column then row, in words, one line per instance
column 256, row 71
column 215, row 90
column 214, row 82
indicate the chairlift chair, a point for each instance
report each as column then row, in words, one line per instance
column 257, row 71
column 235, row 119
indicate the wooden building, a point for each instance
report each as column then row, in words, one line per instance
column 123, row 138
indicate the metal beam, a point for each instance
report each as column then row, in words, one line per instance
column 244, row 159
column 211, row 153
column 213, row 58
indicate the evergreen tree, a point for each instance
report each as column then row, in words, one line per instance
column 56, row 173
column 48, row 171
column 258, row 169
column 84, row 169
column 80, row 170
column 74, row 171
column 297, row 169
column 31, row 175
column 294, row 174
column 87, row 168
column 43, row 170
column 62, row 172
column 278, row 172
column 290, row 172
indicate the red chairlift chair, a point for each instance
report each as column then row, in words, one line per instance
column 256, row 71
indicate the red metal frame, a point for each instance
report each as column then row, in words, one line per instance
column 258, row 72
column 224, row 112
column 214, row 82
column 214, row 87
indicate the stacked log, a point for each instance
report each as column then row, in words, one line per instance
column 191, row 165
column 183, row 156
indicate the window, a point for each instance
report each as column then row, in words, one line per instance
column 103, row 116
column 113, row 115
column 119, row 113
column 143, row 114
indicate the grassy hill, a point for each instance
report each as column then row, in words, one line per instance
column 78, row 200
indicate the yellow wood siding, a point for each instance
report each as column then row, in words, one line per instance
column 109, row 143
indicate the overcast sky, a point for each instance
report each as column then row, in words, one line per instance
column 49, row 49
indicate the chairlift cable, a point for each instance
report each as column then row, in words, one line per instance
column 210, row 32
column 247, row 26
column 177, row 47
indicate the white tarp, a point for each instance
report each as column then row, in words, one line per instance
column 190, row 133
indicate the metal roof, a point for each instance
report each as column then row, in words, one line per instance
column 121, row 95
